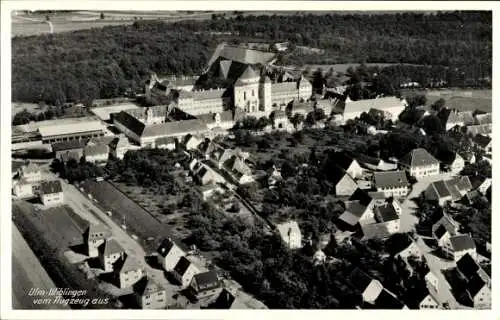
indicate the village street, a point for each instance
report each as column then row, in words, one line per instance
column 408, row 207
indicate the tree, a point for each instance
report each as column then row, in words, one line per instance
column 438, row 105
column 318, row 81
column 432, row 125
column 102, row 15
column 416, row 100
column 297, row 119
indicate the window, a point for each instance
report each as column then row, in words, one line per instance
column 253, row 93
column 244, row 95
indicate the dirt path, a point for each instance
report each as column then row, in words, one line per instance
column 28, row 273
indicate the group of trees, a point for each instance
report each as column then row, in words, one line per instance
column 76, row 171
column 107, row 62
column 25, row 116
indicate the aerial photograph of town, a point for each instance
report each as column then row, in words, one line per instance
column 251, row 159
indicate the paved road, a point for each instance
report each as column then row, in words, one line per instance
column 28, row 273
column 408, row 220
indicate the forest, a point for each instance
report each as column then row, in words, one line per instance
column 108, row 62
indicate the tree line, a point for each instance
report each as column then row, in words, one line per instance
column 104, row 63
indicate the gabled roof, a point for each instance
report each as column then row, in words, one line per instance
column 390, row 179
column 360, row 280
column 147, row 286
column 450, row 116
column 182, row 266
column 130, row 122
column 417, row 295
column 174, row 128
column 288, row 227
column 467, row 266
column 248, row 74
column 207, row 281
column 481, row 140
column 379, row 104
column 353, row 212
column 444, row 225
column 386, row 300
column 387, row 212
column 210, row 94
column 225, row 300
column 362, row 196
column 128, row 263
column 397, row 243
column 165, row 246
column 246, row 55
column 419, row 157
column 51, row 187
column 486, row 118
column 110, row 247
column 96, row 232
column 69, row 145
column 475, row 284
column 477, row 180
column 343, row 160
column 462, row 242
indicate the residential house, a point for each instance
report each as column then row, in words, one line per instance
column 319, row 257
column 348, row 164
column 209, row 190
column 453, row 118
column 165, row 143
column 392, row 107
column 274, row 178
column 95, row 153
column 368, row 287
column 473, row 197
column 93, row 237
column 483, row 118
column 402, row 246
column 459, row 245
column 443, row 230
column 375, row 164
column 452, row 162
column 184, row 271
column 483, row 143
column 281, row 121
column 23, row 189
column 120, row 146
column 420, row 298
column 109, row 253
column 432, row 281
column 387, row 221
column 30, row 172
column 128, row 271
column 420, row 163
column 204, row 174
column 342, row 182
column 192, row 142
column 291, row 234
column 482, row 129
column 51, row 193
column 386, row 300
column 169, row 254
column 239, row 170
column 206, row 284
column 359, row 208
column 149, row 294
column 448, row 190
column 228, row 300
column 72, row 149
column 480, row 183
column 392, row 183
column 467, row 267
column 468, row 156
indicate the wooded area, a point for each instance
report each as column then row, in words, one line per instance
column 108, row 62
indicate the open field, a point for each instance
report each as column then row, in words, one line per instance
column 35, row 24
column 27, row 273
column 461, row 99
column 49, row 233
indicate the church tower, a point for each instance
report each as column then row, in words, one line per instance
column 265, row 95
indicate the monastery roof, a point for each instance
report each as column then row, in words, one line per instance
column 210, row 94
column 284, row 87
column 76, row 127
column 249, row 74
column 246, row 55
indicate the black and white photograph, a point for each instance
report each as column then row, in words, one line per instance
column 195, row 158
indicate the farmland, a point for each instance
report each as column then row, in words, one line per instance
column 49, row 233
column 459, row 98
column 35, row 24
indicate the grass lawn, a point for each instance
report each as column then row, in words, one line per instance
column 49, row 233
column 460, row 99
